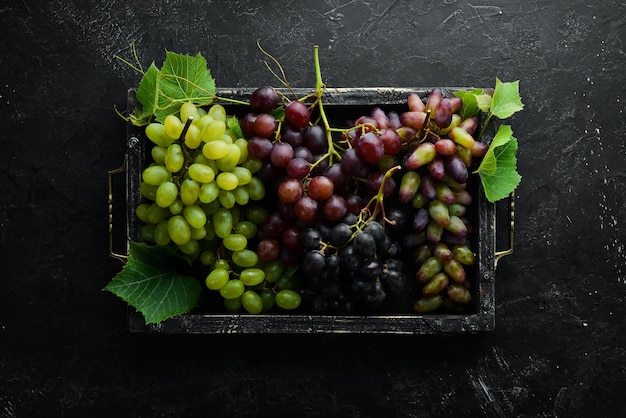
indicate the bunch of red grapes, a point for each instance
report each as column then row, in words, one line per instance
column 370, row 210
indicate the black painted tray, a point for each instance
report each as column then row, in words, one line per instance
column 339, row 100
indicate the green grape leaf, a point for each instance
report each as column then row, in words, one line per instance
column 506, row 99
column 233, row 124
column 147, row 95
column 473, row 101
column 149, row 282
column 498, row 169
column 182, row 78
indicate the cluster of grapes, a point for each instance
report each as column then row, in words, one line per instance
column 342, row 213
column 198, row 191
column 435, row 184
column 351, row 266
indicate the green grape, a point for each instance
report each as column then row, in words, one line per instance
column 243, row 149
column 158, row 154
column 147, row 232
column 246, row 228
column 217, row 112
column 207, row 257
column 244, row 176
column 252, row 302
column 221, row 263
column 148, row 190
column 156, row 133
column 190, row 247
column 227, row 139
column 252, row 164
column 201, row 159
column 222, row 222
column 198, row 233
column 288, row 299
column 216, row 279
column 189, row 190
column 236, row 212
column 213, row 130
column 209, row 192
column 252, row 276
column 227, row 180
column 256, row 189
column 268, row 298
column 174, row 158
column 156, row 213
column 142, row 212
column 287, row 282
column 195, row 216
column 227, row 198
column 257, row 214
column 192, row 137
column 245, row 258
column 201, row 173
column 230, row 160
column 232, row 305
column 232, row 289
column 166, row 193
column 274, row 270
column 189, row 110
column 176, row 207
column 203, row 121
column 211, row 207
column 231, row 136
column 156, row 174
column 215, row 149
column 235, row 242
column 210, row 231
column 241, row 195
column 179, row 229
column 161, row 236
column 173, row 126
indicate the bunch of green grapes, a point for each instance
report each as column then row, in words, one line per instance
column 198, row 191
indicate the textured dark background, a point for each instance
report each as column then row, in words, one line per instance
column 558, row 349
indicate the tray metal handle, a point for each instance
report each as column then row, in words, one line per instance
column 511, row 212
column 112, row 252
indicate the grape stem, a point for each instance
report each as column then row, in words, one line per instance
column 378, row 199
column 319, row 91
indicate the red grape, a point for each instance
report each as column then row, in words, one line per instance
column 298, row 168
column 297, row 114
column 391, row 141
column 290, row 190
column 259, row 148
column 320, row 188
column 268, row 249
column 281, row 154
column 306, row 209
column 265, row 125
column 334, row 208
column 263, row 99
column 370, row 147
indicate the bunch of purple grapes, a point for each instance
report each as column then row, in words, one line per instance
column 346, row 211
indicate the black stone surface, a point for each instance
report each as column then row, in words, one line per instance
column 558, row 349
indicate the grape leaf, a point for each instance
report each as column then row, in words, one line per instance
column 233, row 124
column 182, row 78
column 147, row 94
column 506, row 100
column 473, row 101
column 149, row 282
column 498, row 169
